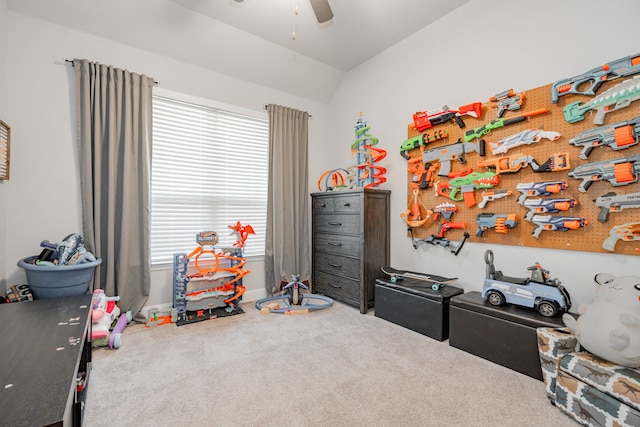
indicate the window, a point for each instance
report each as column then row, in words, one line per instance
column 209, row 171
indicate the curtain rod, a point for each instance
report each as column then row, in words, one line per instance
column 266, row 107
column 155, row 83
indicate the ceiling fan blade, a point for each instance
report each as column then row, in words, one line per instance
column 322, row 10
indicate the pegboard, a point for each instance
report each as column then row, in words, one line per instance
column 589, row 238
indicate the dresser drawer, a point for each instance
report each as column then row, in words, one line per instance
column 338, row 203
column 338, row 245
column 347, row 204
column 337, row 287
column 339, row 224
column 322, row 204
column 335, row 264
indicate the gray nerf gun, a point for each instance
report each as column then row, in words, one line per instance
column 617, row 136
column 611, row 202
column 610, row 71
column 627, row 232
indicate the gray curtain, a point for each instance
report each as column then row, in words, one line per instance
column 114, row 117
column 287, row 238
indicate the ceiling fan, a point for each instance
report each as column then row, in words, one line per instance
column 321, row 9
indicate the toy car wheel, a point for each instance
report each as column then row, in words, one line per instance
column 495, row 298
column 547, row 309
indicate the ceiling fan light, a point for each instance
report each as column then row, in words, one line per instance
column 322, row 10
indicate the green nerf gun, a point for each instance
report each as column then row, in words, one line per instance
column 464, row 187
column 477, row 133
column 421, row 141
column 619, row 96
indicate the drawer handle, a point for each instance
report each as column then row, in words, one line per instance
column 334, row 265
column 335, row 286
column 334, row 243
column 335, row 223
column 347, row 204
column 323, row 205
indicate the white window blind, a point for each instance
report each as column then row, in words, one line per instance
column 209, row 170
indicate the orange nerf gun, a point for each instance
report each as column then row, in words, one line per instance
column 425, row 119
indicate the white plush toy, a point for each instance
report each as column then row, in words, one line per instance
column 609, row 327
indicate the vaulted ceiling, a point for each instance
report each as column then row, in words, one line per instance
column 253, row 39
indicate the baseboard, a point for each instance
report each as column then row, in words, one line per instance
column 248, row 296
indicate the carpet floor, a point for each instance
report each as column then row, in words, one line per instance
column 334, row 367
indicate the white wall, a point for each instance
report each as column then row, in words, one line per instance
column 43, row 198
column 482, row 48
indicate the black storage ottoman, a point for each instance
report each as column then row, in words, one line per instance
column 414, row 305
column 505, row 335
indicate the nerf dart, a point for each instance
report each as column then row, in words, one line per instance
column 617, row 136
column 610, row 71
column 477, row 133
column 611, row 202
column 616, row 98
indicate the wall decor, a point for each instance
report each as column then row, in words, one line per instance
column 533, row 169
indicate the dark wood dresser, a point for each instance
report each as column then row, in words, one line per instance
column 46, row 360
column 350, row 244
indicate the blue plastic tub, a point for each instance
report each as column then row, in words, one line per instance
column 47, row 281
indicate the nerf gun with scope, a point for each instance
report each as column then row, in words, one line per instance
column 610, row 71
column 622, row 171
column 617, row 136
column 425, row 119
column 611, row 202
column 478, row 132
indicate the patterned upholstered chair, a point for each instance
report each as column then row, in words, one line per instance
column 587, row 388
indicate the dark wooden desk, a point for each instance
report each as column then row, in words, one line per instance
column 45, row 344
